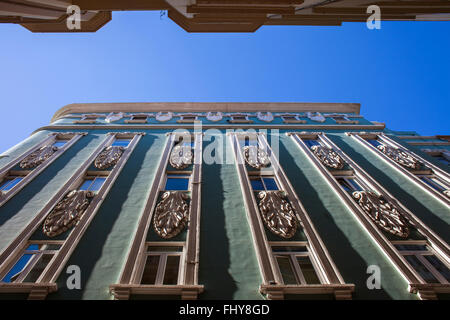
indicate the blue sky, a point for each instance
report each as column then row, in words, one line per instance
column 400, row 74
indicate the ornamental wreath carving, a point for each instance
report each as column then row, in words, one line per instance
column 108, row 157
column 328, row 157
column 38, row 157
column 387, row 215
column 164, row 116
column 67, row 212
column 277, row 213
column 171, row 214
column 256, row 157
column 400, row 157
column 181, row 157
column 265, row 116
column 316, row 116
column 214, row 116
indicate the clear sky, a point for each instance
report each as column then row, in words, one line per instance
column 400, row 74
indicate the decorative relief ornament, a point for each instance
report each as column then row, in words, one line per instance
column 328, row 157
column 446, row 192
column 109, row 157
column 277, row 213
column 164, row 116
column 214, row 116
column 316, row 116
column 387, row 215
column 400, row 157
column 265, row 116
column 171, row 214
column 181, row 157
column 112, row 117
column 38, row 156
column 256, row 157
column 67, row 212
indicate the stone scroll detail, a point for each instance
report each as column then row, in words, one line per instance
column 400, row 156
column 181, row 157
column 277, row 213
column 386, row 215
column 67, row 212
column 108, row 157
column 38, row 157
column 256, row 157
column 328, row 157
column 171, row 214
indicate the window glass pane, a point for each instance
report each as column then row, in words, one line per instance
column 432, row 183
column 177, row 184
column 374, row 142
column 257, row 184
column 38, row 268
column 308, row 270
column 439, row 266
column 33, row 247
column 59, row 144
column 289, row 118
column 86, row 184
column 270, row 184
column 287, row 272
column 289, row 249
column 354, row 184
column 18, row 267
column 121, row 143
column 421, row 269
column 411, row 247
column 344, row 184
column 9, row 184
column 98, row 182
column 442, row 160
column 150, row 270
column 49, row 246
column 311, row 143
column 171, row 273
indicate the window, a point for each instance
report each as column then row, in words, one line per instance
column 425, row 262
column 310, row 142
column 9, row 183
column 374, row 142
column 121, row 143
column 32, row 263
column 187, row 119
column 239, row 118
column 295, row 265
column 59, row 143
column 263, row 183
column 292, row 119
column 88, row 118
column 137, row 118
column 92, row 183
column 163, row 265
column 434, row 182
column 176, row 182
column 339, row 118
column 349, row 184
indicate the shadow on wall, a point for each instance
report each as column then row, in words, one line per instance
column 409, row 200
column 350, row 264
column 214, row 243
column 91, row 248
column 16, row 203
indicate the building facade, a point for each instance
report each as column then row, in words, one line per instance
column 224, row 201
column 219, row 15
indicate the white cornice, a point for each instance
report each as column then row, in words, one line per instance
column 207, row 106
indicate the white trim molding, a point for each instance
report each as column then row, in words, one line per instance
column 41, row 161
column 417, row 176
column 400, row 214
column 131, row 278
column 46, row 282
column 273, row 286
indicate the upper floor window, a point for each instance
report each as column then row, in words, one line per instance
column 177, row 182
column 137, row 118
column 263, row 183
column 292, row 119
column 434, row 182
column 349, row 184
column 189, row 118
column 88, row 118
column 60, row 143
column 92, row 183
column 121, row 143
column 163, row 265
column 9, row 183
column 295, row 265
column 310, row 142
column 343, row 119
column 239, row 118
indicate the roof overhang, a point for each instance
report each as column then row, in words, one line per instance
column 206, row 106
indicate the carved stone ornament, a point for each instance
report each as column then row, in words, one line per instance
column 171, row 214
column 387, row 215
column 108, row 157
column 38, row 156
column 316, row 116
column 164, row 116
column 67, row 212
column 400, row 156
column 112, row 117
column 328, row 157
column 181, row 157
column 214, row 116
column 277, row 213
column 265, row 116
column 446, row 192
column 256, row 157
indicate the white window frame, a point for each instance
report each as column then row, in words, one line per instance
column 159, row 280
column 295, row 120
